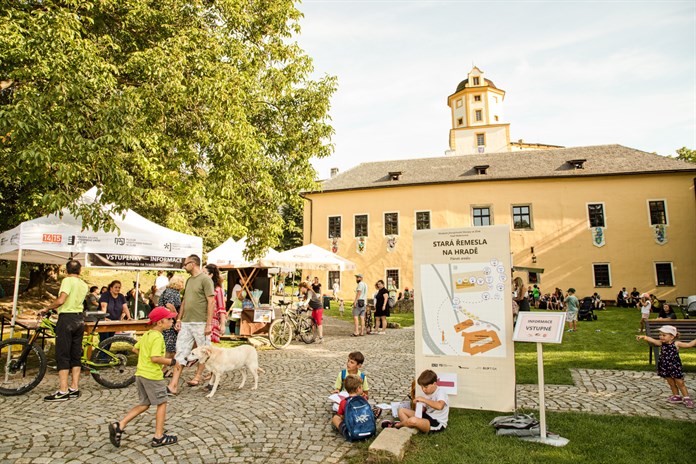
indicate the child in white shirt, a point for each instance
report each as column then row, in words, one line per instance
column 435, row 405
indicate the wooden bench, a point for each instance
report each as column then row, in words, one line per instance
column 685, row 327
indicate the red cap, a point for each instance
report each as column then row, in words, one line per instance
column 160, row 313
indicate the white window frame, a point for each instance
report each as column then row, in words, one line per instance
column 484, row 139
column 328, row 225
column 459, row 103
column 386, row 277
column 478, row 113
column 671, row 268
column 647, row 205
column 594, row 275
column 384, row 223
column 531, row 216
column 490, row 214
column 415, row 218
column 604, row 213
column 368, row 224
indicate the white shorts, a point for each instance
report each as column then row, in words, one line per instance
column 571, row 316
column 190, row 332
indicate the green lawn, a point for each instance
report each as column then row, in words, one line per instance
column 593, row 439
column 608, row 343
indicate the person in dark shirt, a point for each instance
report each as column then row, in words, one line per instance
column 666, row 313
column 316, row 286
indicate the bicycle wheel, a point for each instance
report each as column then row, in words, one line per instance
column 113, row 363
column 22, row 366
column 280, row 333
column 308, row 329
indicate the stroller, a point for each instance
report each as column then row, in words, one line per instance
column 586, row 312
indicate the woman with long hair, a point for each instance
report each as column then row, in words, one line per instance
column 114, row 304
column 520, row 294
column 220, row 316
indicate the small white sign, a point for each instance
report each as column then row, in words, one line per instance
column 448, row 382
column 539, row 327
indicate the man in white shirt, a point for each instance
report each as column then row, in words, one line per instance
column 161, row 283
column 359, row 305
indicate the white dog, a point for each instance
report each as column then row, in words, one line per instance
column 220, row 360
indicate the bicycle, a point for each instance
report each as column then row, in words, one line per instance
column 292, row 323
column 23, row 363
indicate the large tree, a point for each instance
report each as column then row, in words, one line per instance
column 686, row 154
column 201, row 115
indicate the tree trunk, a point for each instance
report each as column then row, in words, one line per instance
column 38, row 277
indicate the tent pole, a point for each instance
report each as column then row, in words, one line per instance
column 137, row 295
column 15, row 297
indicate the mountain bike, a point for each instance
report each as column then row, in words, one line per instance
column 292, row 323
column 23, row 362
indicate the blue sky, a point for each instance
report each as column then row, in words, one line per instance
column 575, row 73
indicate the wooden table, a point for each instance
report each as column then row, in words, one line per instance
column 28, row 325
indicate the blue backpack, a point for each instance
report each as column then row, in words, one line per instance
column 359, row 419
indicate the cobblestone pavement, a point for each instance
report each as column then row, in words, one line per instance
column 286, row 419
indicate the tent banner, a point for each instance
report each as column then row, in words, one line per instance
column 133, row 261
column 463, row 314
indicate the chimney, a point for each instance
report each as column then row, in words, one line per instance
column 334, row 172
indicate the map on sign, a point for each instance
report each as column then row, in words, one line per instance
column 464, row 308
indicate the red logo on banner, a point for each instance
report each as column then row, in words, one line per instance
column 52, row 238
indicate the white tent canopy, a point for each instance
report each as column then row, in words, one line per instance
column 231, row 254
column 136, row 243
column 308, row 257
column 55, row 238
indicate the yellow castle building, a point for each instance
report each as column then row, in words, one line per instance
column 596, row 218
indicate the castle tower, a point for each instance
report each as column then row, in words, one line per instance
column 477, row 117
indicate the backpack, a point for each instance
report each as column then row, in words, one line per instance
column 344, row 374
column 391, row 302
column 359, row 419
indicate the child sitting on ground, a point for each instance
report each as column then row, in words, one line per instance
column 149, row 379
column 355, row 362
column 669, row 365
column 353, row 386
column 435, row 405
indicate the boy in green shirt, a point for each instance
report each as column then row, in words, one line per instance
column 152, row 390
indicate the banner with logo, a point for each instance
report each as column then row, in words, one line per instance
column 463, row 314
column 133, row 261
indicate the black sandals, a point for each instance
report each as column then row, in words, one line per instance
column 164, row 440
column 115, row 433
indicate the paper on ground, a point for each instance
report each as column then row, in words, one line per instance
column 337, row 397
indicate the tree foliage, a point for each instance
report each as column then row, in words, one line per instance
column 686, row 155
column 293, row 216
column 200, row 115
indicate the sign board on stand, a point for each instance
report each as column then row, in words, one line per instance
column 541, row 328
column 463, row 314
